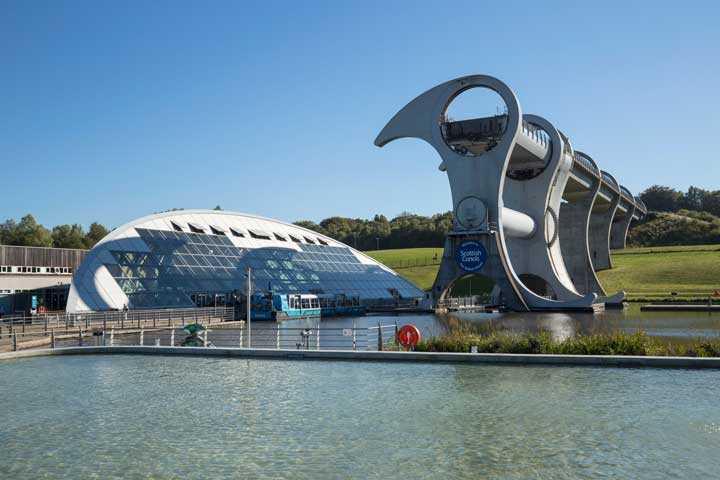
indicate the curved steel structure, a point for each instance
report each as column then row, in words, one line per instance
column 543, row 217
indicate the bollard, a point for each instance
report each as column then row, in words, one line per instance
column 142, row 336
column 379, row 337
column 52, row 338
column 14, row 341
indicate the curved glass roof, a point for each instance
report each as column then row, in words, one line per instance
column 151, row 264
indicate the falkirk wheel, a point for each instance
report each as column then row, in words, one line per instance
column 530, row 212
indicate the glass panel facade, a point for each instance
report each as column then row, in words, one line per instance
column 181, row 266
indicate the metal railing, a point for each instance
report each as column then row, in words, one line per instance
column 460, row 303
column 261, row 336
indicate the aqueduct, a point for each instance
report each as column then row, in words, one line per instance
column 530, row 212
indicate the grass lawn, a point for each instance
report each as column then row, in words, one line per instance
column 644, row 273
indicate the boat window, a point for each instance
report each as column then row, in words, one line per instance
column 305, row 302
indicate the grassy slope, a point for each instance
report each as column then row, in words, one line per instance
column 692, row 271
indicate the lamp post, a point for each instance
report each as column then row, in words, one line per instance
column 249, row 290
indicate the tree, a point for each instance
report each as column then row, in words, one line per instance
column 661, row 199
column 67, row 236
column 694, row 198
column 26, row 233
column 711, row 202
column 96, row 232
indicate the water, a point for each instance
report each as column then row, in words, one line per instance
column 179, row 417
column 670, row 327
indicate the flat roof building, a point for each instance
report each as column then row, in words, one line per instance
column 200, row 258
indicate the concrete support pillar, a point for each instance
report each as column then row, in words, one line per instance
column 574, row 241
column 599, row 233
column 620, row 227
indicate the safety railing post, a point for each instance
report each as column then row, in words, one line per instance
column 354, row 343
column 14, row 341
column 142, row 336
column 155, row 319
column 172, row 337
column 396, row 332
column 112, row 336
column 46, row 323
column 52, row 338
column 379, row 337
column 317, row 337
column 241, row 336
column 277, row 337
column 80, row 339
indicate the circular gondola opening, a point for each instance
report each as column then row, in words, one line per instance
column 474, row 121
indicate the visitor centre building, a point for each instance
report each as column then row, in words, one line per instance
column 191, row 258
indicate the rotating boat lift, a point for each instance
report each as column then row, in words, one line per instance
column 530, row 212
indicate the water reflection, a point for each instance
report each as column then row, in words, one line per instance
column 672, row 326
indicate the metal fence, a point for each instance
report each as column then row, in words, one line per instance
column 224, row 334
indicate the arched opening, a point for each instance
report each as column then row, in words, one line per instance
column 538, row 286
column 481, row 288
column 474, row 121
column 531, row 156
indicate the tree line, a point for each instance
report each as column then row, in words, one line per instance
column 406, row 230
column 659, row 198
column 27, row 232
column 676, row 217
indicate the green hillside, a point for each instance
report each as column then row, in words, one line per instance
column 645, row 273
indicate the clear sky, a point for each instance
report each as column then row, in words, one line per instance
column 115, row 110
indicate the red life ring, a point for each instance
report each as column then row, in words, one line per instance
column 408, row 336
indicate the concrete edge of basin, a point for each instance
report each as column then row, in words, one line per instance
column 488, row 358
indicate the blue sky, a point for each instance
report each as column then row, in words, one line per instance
column 114, row 110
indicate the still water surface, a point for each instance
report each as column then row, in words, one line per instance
column 170, row 417
column 671, row 326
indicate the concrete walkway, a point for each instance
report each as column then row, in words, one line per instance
column 475, row 358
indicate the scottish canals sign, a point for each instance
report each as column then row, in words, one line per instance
column 470, row 256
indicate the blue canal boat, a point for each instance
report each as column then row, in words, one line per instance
column 274, row 306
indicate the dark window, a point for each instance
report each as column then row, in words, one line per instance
column 216, row 231
column 295, row 239
column 237, row 233
column 259, row 234
column 195, row 228
column 176, row 227
column 309, row 240
column 280, row 237
column 322, row 242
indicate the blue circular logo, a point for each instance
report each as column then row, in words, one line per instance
column 470, row 255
